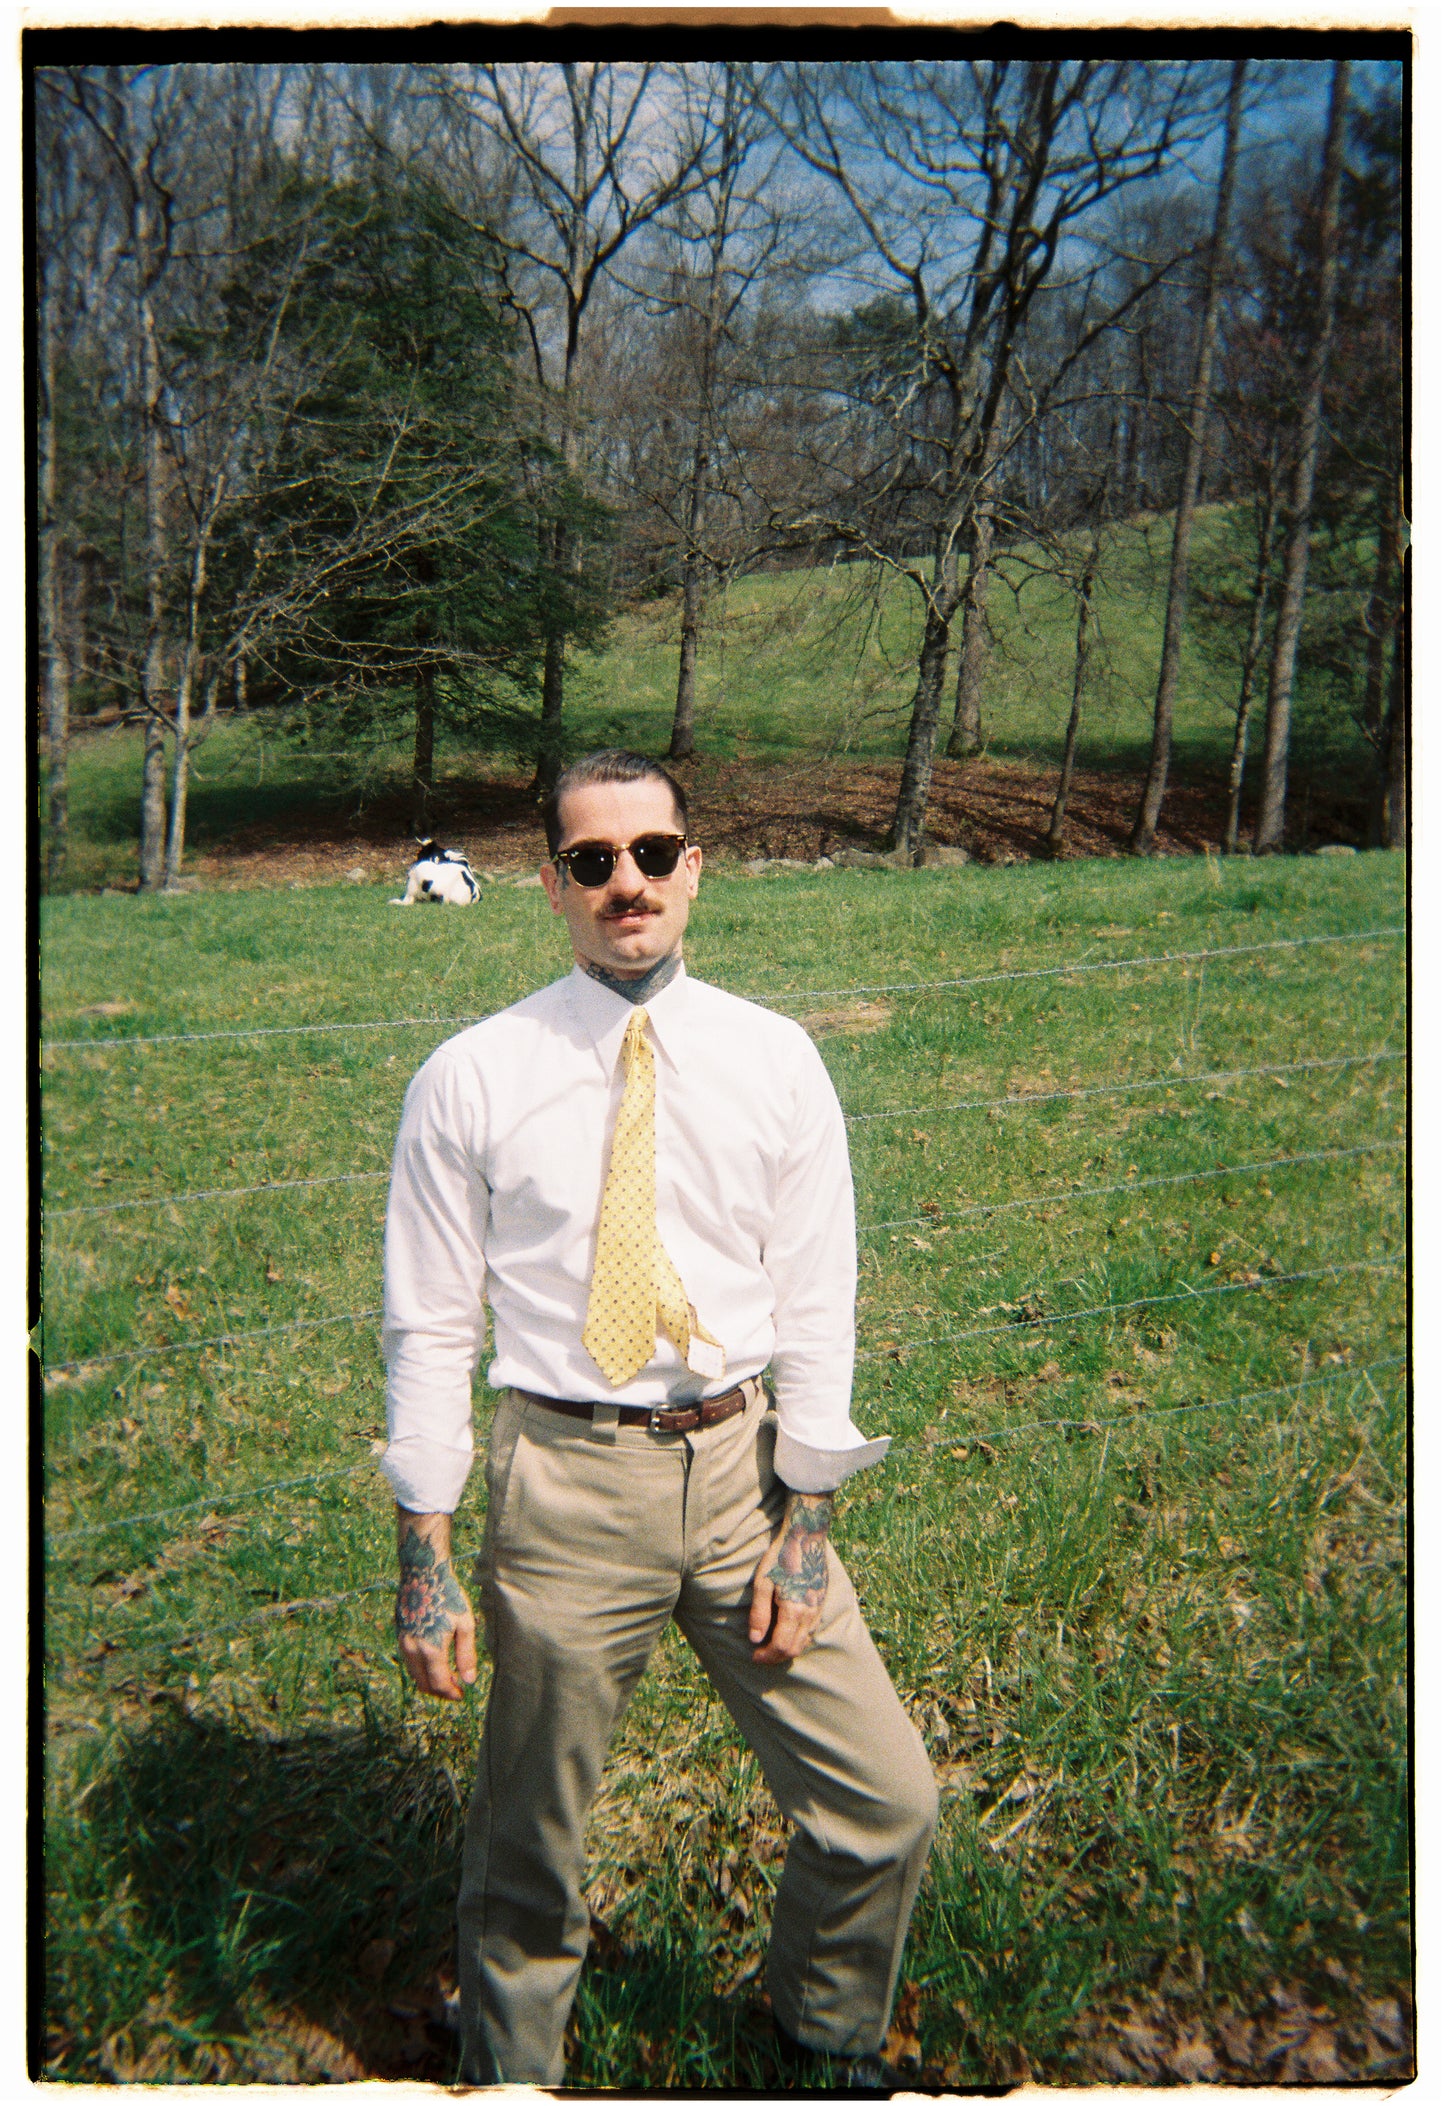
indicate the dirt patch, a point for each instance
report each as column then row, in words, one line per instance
column 995, row 809
column 851, row 1016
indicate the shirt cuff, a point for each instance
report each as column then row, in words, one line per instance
column 426, row 1477
column 806, row 1469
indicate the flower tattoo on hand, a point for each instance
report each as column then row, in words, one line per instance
column 430, row 1594
column 799, row 1571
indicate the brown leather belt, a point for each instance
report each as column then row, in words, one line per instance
column 681, row 1418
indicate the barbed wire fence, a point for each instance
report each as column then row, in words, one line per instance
column 766, row 999
column 1028, row 1311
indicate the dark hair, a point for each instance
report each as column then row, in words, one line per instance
column 612, row 764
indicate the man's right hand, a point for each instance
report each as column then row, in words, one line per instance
column 432, row 1612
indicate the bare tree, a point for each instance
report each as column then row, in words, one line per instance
column 1083, row 628
column 738, row 235
column 594, row 153
column 1395, row 825
column 1269, row 824
column 963, row 180
column 143, row 120
column 1254, row 642
column 58, row 213
column 1141, row 840
column 966, row 737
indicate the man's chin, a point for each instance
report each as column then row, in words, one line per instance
column 635, row 952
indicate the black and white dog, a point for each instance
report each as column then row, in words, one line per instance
column 441, row 875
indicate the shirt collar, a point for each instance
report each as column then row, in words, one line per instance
column 603, row 1015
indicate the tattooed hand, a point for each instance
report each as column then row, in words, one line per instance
column 791, row 1581
column 431, row 1609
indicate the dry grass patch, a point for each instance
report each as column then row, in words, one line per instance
column 848, row 1016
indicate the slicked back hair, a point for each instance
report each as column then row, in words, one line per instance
column 611, row 764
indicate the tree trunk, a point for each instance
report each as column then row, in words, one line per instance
column 74, row 600
column 966, row 738
column 1055, row 837
column 1269, row 826
column 152, row 809
column 1395, row 772
column 565, row 561
column 1141, row 840
column 57, row 748
column 681, row 746
column 180, row 779
column 55, row 657
column 153, row 805
column 238, row 687
column 549, row 738
column 911, row 814
column 1258, row 613
column 423, row 760
column 185, row 689
column 1384, row 595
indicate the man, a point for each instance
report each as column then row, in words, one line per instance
column 650, row 1178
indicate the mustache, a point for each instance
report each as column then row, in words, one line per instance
column 636, row 906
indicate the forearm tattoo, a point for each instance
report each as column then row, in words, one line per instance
column 430, row 1594
column 799, row 1572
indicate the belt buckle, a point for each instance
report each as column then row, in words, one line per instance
column 654, row 1417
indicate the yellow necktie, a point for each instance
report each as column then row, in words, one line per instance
column 635, row 1285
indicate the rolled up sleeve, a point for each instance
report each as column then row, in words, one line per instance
column 434, row 1321
column 811, row 1258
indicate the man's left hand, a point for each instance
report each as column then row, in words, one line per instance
column 791, row 1581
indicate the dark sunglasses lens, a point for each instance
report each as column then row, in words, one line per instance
column 591, row 866
column 656, row 855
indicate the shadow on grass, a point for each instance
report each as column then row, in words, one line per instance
column 294, row 1895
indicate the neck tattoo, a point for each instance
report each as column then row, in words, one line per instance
column 643, row 989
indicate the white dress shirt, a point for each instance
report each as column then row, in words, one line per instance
column 496, row 1188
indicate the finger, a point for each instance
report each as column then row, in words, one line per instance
column 792, row 1635
column 430, row 1668
column 467, row 1649
column 760, row 1615
column 779, row 1647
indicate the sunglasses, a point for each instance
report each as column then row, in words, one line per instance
column 591, row 863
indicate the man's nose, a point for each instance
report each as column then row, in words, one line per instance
column 626, row 874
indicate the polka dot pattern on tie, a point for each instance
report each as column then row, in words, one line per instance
column 635, row 1285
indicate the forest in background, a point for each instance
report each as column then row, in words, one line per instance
column 374, row 401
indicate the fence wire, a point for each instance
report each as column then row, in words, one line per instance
column 274, row 1612
column 1167, row 1411
column 186, row 1199
column 356, row 1316
column 154, row 1639
column 1088, row 965
column 1015, row 1102
column 1131, row 1184
column 1022, row 1324
column 1124, row 1089
column 771, row 1000
column 210, row 1499
column 221, row 1338
column 1016, row 1325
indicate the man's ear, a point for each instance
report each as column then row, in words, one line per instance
column 552, row 885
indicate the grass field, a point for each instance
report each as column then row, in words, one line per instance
column 794, row 664
column 1135, row 1559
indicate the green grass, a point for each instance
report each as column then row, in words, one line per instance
column 793, row 664
column 826, row 661
column 1157, row 1652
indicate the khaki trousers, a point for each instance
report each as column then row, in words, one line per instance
column 595, row 1536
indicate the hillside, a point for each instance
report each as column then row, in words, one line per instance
column 805, row 680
